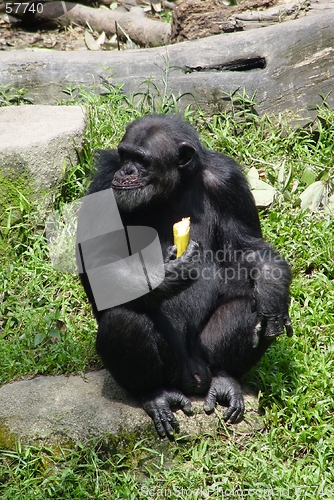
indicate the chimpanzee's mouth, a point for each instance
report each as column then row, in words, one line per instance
column 131, row 181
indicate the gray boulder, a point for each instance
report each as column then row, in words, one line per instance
column 40, row 141
column 62, row 409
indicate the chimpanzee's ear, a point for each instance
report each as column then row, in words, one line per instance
column 186, row 154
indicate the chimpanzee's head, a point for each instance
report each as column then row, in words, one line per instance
column 156, row 153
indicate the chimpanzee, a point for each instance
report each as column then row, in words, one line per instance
column 220, row 305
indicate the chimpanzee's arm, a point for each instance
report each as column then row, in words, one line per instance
column 271, row 278
column 258, row 270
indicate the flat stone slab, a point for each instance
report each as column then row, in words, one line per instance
column 60, row 409
column 40, row 140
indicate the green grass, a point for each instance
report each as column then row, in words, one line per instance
column 47, row 327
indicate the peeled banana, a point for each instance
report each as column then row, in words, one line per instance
column 181, row 233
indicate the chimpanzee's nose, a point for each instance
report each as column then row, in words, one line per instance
column 130, row 169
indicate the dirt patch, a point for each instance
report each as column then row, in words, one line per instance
column 191, row 19
column 196, row 19
column 15, row 37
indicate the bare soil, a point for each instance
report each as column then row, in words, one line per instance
column 190, row 20
column 195, row 19
column 15, row 37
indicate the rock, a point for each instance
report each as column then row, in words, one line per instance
column 60, row 409
column 40, row 141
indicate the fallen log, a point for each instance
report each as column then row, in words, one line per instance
column 288, row 65
column 140, row 29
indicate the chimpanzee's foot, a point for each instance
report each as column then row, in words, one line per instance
column 158, row 407
column 224, row 388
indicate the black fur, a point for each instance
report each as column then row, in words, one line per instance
column 190, row 335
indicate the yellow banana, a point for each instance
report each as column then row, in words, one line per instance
column 181, row 232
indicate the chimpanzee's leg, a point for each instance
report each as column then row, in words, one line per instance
column 232, row 343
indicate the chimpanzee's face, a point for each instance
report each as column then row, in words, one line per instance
column 151, row 164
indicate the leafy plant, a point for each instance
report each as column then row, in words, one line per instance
column 10, row 95
column 263, row 192
column 158, row 98
column 52, row 332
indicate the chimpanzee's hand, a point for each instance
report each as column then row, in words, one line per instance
column 171, row 254
column 275, row 324
column 272, row 320
column 183, row 267
column 191, row 252
column 158, row 407
column 180, row 274
column 224, row 388
column 271, row 326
